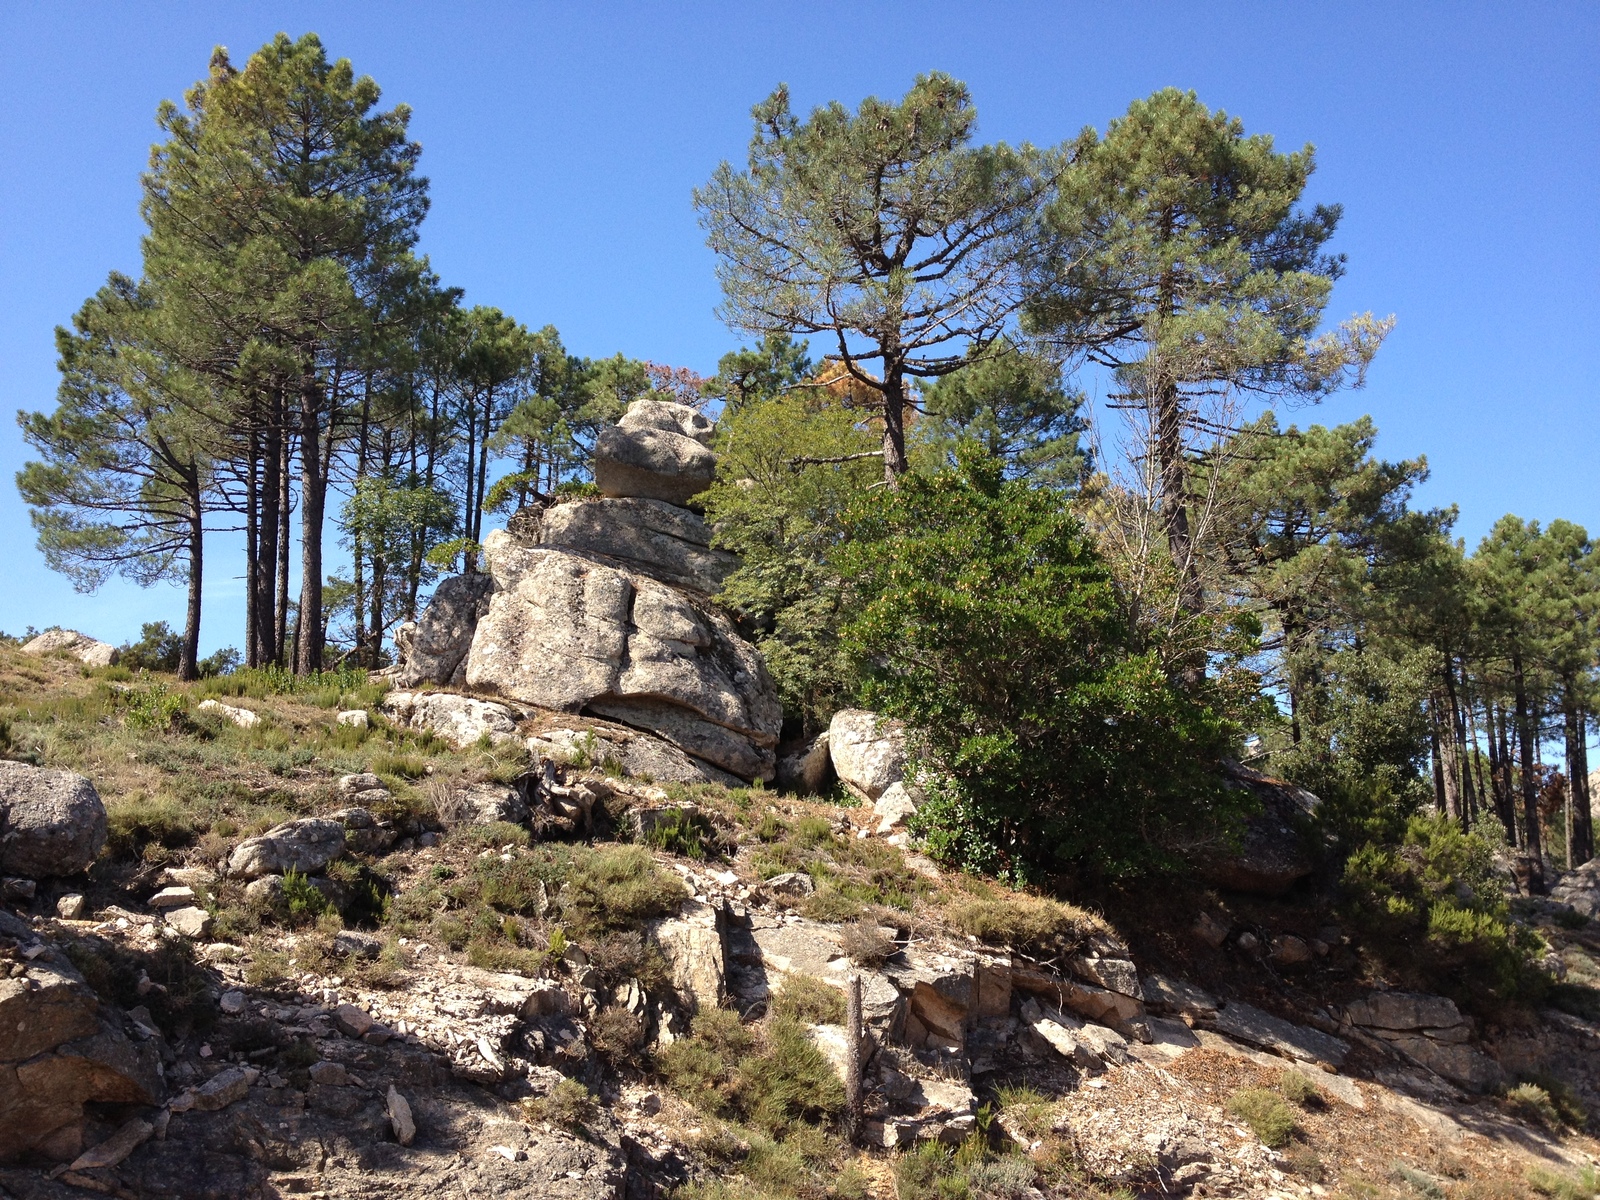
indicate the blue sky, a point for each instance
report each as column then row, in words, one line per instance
column 563, row 141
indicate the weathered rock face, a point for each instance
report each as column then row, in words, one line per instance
column 434, row 649
column 307, row 846
column 648, row 454
column 81, row 646
column 59, row 1050
column 808, row 770
column 483, row 804
column 565, row 632
column 1272, row 853
column 638, row 754
column 1581, row 888
column 660, row 540
column 692, row 945
column 51, row 822
column 459, row 720
column 869, row 752
column 1430, row 1031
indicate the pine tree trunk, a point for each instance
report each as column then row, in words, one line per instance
column 894, row 420
column 252, row 550
column 471, row 559
column 189, row 656
column 313, row 496
column 1458, row 746
column 1527, row 738
column 273, row 504
column 280, row 604
column 1580, row 848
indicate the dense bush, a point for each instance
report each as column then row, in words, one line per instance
column 1432, row 907
column 988, row 622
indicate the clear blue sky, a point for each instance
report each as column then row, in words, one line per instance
column 563, row 141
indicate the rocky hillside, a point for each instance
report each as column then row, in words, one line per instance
column 339, row 940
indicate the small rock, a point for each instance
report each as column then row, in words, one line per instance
column 791, row 884
column 192, row 877
column 115, row 1148
column 71, row 907
column 351, row 1020
column 354, row 717
column 232, row 1003
column 1209, row 930
column 1289, row 951
column 329, row 1074
column 378, row 1035
column 648, row 1104
column 225, row 1088
column 427, row 840
column 172, row 897
column 509, row 1154
column 181, row 1103
column 190, row 922
column 1248, row 941
column 358, row 944
column 242, row 717
column 405, row 1128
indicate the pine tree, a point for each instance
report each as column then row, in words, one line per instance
column 279, row 206
column 125, row 481
column 1179, row 258
column 884, row 231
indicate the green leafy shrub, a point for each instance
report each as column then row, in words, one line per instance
column 808, row 1000
column 138, row 824
column 770, row 1075
column 153, row 708
column 681, row 832
column 1584, row 1185
column 1266, row 1113
column 1297, row 1089
column 567, row 1106
column 989, row 623
column 1433, row 910
column 302, row 902
column 618, row 887
column 1530, row 1102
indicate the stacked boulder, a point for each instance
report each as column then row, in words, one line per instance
column 602, row 606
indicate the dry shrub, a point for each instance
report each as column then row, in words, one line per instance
column 1022, row 921
column 866, row 944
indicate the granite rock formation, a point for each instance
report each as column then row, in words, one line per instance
column 602, row 606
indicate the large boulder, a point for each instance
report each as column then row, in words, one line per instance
column 652, row 453
column 809, row 769
column 565, row 632
column 663, row 541
column 51, row 822
column 60, row 1049
column 459, row 720
column 640, row 755
column 1580, row 889
column 307, row 846
column 434, row 648
column 868, row 751
column 80, row 645
column 1272, row 854
column 483, row 804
